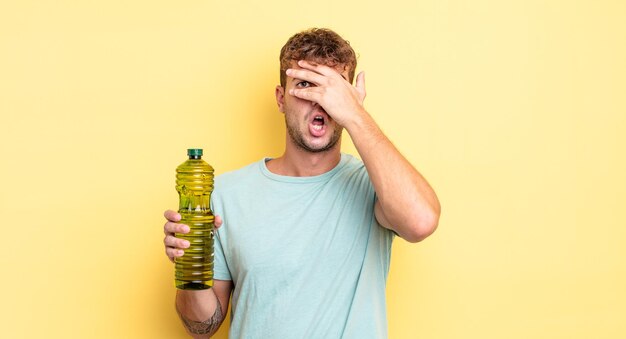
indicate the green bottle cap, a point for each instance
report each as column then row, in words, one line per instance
column 194, row 152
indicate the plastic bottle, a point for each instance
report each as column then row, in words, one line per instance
column 194, row 183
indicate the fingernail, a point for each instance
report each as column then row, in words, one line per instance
column 186, row 244
column 180, row 252
column 288, row 71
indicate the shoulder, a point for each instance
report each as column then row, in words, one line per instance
column 353, row 175
column 238, row 178
column 352, row 167
column 352, row 163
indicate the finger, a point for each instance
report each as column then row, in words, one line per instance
column 173, row 247
column 173, row 253
column 321, row 69
column 360, row 81
column 172, row 227
column 171, row 215
column 312, row 93
column 303, row 74
column 177, row 243
column 218, row 221
column 360, row 85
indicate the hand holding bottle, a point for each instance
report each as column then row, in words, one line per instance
column 175, row 247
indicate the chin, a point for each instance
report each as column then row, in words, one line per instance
column 326, row 146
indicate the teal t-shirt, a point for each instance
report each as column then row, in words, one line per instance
column 306, row 255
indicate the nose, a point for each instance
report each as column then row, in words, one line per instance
column 316, row 107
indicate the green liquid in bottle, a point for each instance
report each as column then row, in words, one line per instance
column 194, row 183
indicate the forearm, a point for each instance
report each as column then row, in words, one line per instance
column 200, row 312
column 409, row 205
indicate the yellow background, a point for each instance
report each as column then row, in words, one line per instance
column 515, row 111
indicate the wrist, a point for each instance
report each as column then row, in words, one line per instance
column 358, row 121
column 365, row 134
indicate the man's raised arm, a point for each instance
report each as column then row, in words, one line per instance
column 406, row 202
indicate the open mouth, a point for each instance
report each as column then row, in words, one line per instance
column 318, row 123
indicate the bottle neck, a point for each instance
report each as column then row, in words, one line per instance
column 195, row 157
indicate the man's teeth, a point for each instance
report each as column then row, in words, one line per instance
column 317, row 127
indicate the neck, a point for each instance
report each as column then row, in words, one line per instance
column 296, row 162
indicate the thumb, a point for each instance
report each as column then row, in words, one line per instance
column 360, row 84
column 218, row 221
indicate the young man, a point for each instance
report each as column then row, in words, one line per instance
column 305, row 244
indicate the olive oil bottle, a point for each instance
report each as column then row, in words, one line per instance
column 194, row 183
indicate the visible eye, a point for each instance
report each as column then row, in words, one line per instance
column 303, row 84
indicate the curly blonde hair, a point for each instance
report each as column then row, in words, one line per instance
column 320, row 45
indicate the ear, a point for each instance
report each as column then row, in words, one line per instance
column 280, row 97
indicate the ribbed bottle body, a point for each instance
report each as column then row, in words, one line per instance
column 194, row 183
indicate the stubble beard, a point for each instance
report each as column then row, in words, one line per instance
column 298, row 139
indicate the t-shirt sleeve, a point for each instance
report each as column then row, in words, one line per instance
column 220, row 268
column 220, row 265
